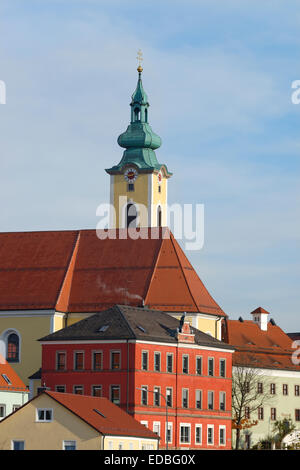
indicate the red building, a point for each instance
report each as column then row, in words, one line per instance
column 171, row 377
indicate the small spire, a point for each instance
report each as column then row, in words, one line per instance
column 140, row 58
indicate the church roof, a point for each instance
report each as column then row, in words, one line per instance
column 126, row 322
column 271, row 349
column 75, row 271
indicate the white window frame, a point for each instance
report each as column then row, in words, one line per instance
column 170, row 426
column 38, row 420
column 157, row 423
column 224, row 428
column 68, row 441
column 2, row 405
column 211, row 426
column 145, row 423
column 198, row 426
column 186, row 425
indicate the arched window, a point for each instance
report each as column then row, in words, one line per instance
column 137, row 114
column 12, row 350
column 146, row 115
column 159, row 216
column 131, row 215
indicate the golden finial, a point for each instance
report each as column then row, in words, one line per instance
column 139, row 58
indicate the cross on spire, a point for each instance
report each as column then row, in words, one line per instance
column 140, row 59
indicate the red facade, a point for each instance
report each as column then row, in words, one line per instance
column 196, row 382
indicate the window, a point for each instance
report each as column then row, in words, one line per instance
column 115, row 393
column 145, row 423
column 247, row 441
column 78, row 389
column 185, row 364
column 297, row 415
column 222, row 401
column 185, row 433
column 110, row 445
column 169, row 397
column 69, row 445
column 44, row 415
column 60, row 360
column 247, row 412
column 169, row 433
column 246, row 387
column 97, row 390
column 2, row 411
column 210, row 366
column 222, row 435
column 79, row 360
column 185, row 398
column 156, row 396
column 285, row 389
column 273, row 414
column 210, row 434
column 156, row 427
column 7, row 380
column 157, row 362
column 210, row 400
column 60, row 388
column 159, row 189
column 159, row 213
column 199, row 365
column 16, row 407
column 131, row 215
column 198, row 434
column 297, row 390
column 115, row 359
column 97, row 360
column 260, row 387
column 12, row 354
column 222, row 368
column 272, row 389
column 145, row 360
column 130, row 187
column 260, row 413
column 199, row 399
column 144, row 395
column 169, row 362
column 120, row 447
column 18, row 445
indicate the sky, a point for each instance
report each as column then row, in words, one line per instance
column 218, row 76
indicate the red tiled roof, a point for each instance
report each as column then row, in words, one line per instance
column 268, row 349
column 259, row 310
column 114, row 422
column 15, row 383
column 75, row 271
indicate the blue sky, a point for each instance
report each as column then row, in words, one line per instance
column 218, row 76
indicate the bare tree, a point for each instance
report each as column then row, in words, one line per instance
column 250, row 391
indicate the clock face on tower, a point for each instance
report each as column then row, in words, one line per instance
column 130, row 175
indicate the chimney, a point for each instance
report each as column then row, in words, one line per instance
column 260, row 317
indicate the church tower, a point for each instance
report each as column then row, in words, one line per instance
column 138, row 184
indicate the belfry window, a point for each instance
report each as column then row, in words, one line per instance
column 12, row 354
column 146, row 115
column 131, row 215
column 137, row 114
